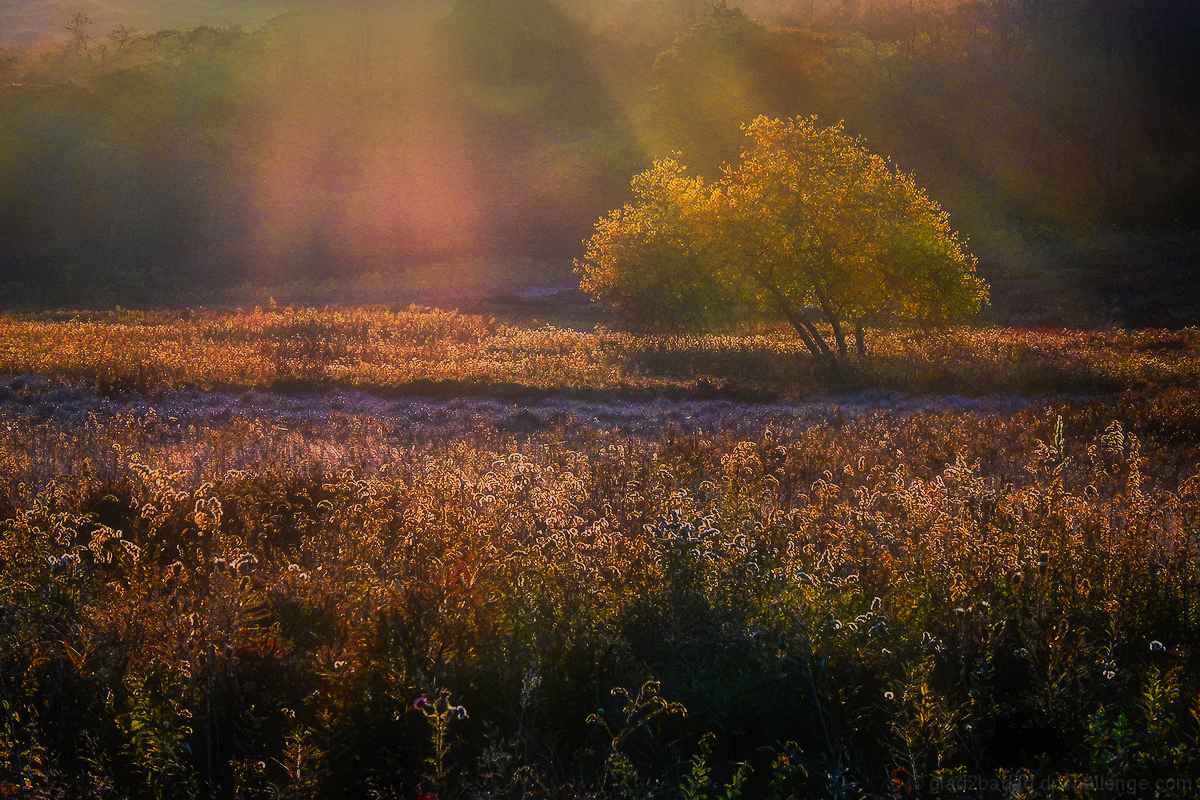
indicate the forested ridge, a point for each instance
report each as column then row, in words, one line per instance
column 173, row 167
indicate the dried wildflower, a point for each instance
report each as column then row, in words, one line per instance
column 243, row 561
column 68, row 561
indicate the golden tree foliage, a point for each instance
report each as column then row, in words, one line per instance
column 809, row 225
column 646, row 257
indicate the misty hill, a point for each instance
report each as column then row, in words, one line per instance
column 347, row 145
column 25, row 23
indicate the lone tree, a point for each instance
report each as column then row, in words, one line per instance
column 80, row 28
column 809, row 227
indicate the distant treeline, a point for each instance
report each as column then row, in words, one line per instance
column 146, row 167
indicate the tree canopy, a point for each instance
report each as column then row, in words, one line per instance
column 809, row 227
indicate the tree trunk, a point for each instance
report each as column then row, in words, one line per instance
column 839, row 335
column 808, row 334
column 817, row 337
column 811, row 337
column 860, row 338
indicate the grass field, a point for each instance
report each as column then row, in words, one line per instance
column 423, row 350
column 364, row 553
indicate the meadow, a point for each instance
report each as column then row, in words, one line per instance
column 430, row 351
column 292, row 553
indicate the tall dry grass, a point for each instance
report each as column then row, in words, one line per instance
column 274, row 609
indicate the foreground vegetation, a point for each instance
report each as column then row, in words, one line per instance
column 949, row 603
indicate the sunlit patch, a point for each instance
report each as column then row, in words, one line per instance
column 286, row 193
column 360, row 198
column 420, row 194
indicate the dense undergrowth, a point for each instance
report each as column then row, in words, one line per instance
column 941, row 604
